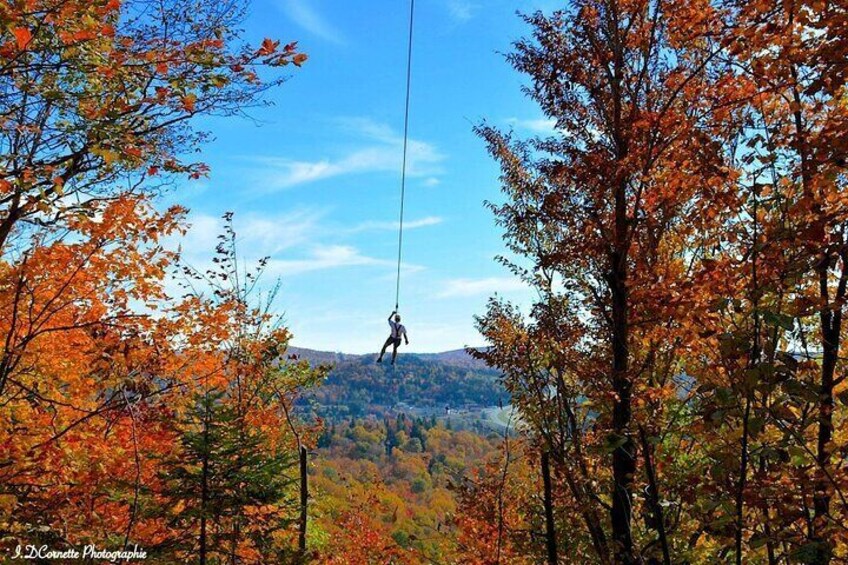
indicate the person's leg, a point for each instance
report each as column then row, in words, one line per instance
column 383, row 351
column 394, row 351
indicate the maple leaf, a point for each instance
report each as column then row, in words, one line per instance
column 268, row 47
column 84, row 35
column 22, row 36
column 189, row 101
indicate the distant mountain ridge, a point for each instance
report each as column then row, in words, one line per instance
column 357, row 385
column 453, row 358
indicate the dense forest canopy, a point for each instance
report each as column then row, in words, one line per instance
column 356, row 386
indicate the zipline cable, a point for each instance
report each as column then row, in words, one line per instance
column 405, row 146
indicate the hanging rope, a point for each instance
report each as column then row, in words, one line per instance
column 405, row 146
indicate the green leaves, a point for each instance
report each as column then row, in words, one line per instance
column 811, row 552
column 613, row 442
column 778, row 319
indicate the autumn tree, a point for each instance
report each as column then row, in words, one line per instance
column 97, row 97
column 230, row 485
column 794, row 55
column 97, row 360
column 606, row 211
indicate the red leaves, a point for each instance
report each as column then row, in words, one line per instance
column 22, row 37
column 269, row 47
column 133, row 151
column 274, row 57
column 84, row 35
column 198, row 171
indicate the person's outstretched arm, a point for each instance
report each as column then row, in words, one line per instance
column 406, row 337
column 392, row 314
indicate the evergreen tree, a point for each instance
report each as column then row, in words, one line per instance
column 224, row 467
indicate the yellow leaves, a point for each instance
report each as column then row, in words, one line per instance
column 109, row 156
column 219, row 81
column 7, row 504
column 188, row 102
column 22, row 37
column 59, row 185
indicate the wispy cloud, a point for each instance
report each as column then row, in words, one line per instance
column 323, row 257
column 303, row 13
column 262, row 235
column 291, row 240
column 391, row 226
column 382, row 153
column 462, row 10
column 475, row 287
column 539, row 125
column 326, row 257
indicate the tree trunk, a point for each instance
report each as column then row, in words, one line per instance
column 304, row 499
column 654, row 497
column 831, row 328
column 204, row 494
column 550, row 531
column 623, row 457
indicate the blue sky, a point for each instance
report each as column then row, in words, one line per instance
column 314, row 179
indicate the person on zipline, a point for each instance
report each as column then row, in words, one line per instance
column 398, row 330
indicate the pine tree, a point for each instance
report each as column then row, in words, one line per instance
column 223, row 468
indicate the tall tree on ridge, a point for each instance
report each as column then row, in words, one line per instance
column 606, row 209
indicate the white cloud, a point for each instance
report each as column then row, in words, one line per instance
column 261, row 235
column 322, row 257
column 290, row 240
column 303, row 13
column 462, row 10
column 326, row 257
column 475, row 287
column 432, row 181
column 391, row 226
column 366, row 127
column 383, row 153
column 545, row 126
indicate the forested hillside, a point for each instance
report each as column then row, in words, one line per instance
column 357, row 386
column 394, row 488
